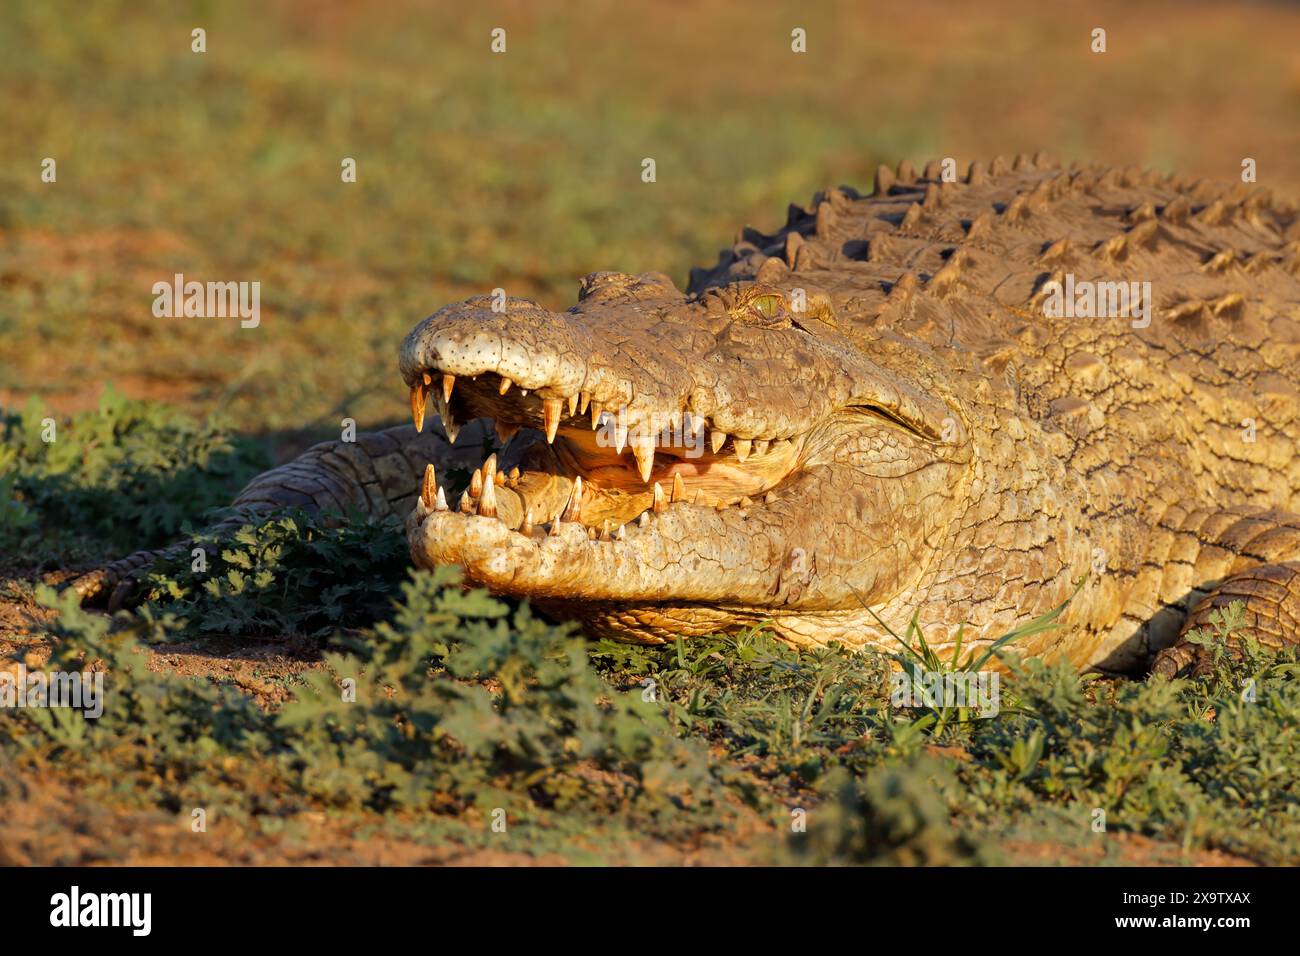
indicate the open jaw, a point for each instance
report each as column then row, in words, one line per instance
column 671, row 465
column 587, row 501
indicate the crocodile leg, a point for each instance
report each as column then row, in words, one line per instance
column 377, row 475
column 1255, row 553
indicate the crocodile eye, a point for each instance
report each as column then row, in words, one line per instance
column 768, row 306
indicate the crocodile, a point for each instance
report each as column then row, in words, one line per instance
column 964, row 398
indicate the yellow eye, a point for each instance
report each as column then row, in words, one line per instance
column 768, row 306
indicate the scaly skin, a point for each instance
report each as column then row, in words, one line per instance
column 918, row 436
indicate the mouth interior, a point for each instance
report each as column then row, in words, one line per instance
column 561, row 459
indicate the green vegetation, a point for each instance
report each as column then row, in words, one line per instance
column 125, row 477
column 428, row 702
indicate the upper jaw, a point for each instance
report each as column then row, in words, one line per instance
column 702, row 366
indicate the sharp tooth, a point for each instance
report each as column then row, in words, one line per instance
column 584, row 399
column 523, row 393
column 440, row 501
column 644, row 450
column 504, row 386
column 429, row 488
column 620, row 436
column 746, row 501
column 597, row 410
column 500, row 480
column 551, row 408
column 428, row 379
column 742, row 448
column 555, row 526
column 449, row 425
column 448, row 382
column 573, row 510
column 643, row 520
column 476, row 483
column 604, row 531
column 573, row 403
column 760, row 446
column 717, row 439
column 514, row 474
column 505, row 432
column 417, row 406
column 466, row 506
column 769, row 497
column 490, row 469
column 679, row 489
column 527, row 526
column 621, row 533
column 661, row 500
column 487, row 505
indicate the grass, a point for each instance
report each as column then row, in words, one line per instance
column 435, row 708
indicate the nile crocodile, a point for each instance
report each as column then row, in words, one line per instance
column 896, row 403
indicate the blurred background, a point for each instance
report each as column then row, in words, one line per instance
column 521, row 170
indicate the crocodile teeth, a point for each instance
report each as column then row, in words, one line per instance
column 644, row 451
column 527, row 526
column 661, row 500
column 573, row 403
column 769, row 498
column 620, row 436
column 551, row 408
column 679, row 489
column 597, row 410
column 440, row 500
column 573, row 510
column 643, row 520
column 505, row 385
column 429, row 488
column 621, row 533
column 743, row 446
column 487, row 505
column 500, row 479
column 717, row 439
column 761, row 446
column 604, row 531
column 505, row 431
column 476, row 483
column 555, row 525
column 466, row 505
column 417, row 406
column 428, row 379
column 584, row 400
column 513, row 474
column 448, row 382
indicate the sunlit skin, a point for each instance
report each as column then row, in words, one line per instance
column 883, row 421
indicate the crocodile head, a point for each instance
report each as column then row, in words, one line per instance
column 679, row 464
